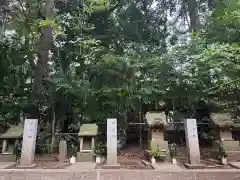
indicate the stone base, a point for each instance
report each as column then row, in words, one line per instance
column 194, row 166
column 63, row 160
column 26, row 166
column 105, row 166
column 233, row 155
column 8, row 158
column 85, row 157
column 234, row 164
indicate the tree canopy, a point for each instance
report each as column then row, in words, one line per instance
column 87, row 60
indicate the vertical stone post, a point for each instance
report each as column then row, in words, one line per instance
column 112, row 142
column 29, row 142
column 192, row 141
column 4, row 146
column 62, row 150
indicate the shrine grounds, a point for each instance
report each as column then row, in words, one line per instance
column 170, row 174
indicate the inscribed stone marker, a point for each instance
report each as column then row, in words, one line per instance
column 111, row 141
column 192, row 141
column 29, row 142
column 62, row 150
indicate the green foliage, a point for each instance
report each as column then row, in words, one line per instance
column 158, row 153
column 108, row 58
column 17, row 149
column 174, row 150
column 221, row 150
column 100, row 149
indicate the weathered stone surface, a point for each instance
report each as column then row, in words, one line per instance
column 226, row 134
column 234, row 164
column 183, row 176
column 85, row 175
column 111, row 141
column 194, row 166
column 88, row 130
column 29, row 142
column 4, row 146
column 192, row 141
column 218, row 175
column 8, row 158
column 233, row 155
column 49, row 176
column 85, row 156
column 37, row 174
column 13, row 132
column 62, row 150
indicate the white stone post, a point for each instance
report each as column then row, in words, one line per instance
column 192, row 143
column 29, row 142
column 111, row 142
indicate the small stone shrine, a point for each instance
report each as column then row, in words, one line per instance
column 223, row 125
column 12, row 136
column 87, row 135
column 156, row 122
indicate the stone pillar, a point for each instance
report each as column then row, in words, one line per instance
column 93, row 144
column 4, row 146
column 192, row 141
column 112, row 142
column 62, row 150
column 29, row 142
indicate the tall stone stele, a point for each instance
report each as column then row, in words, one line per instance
column 191, row 134
column 112, row 142
column 29, row 142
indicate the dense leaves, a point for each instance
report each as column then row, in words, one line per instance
column 89, row 60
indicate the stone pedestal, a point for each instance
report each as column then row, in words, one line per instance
column 192, row 141
column 158, row 142
column 112, row 142
column 230, row 146
column 29, row 142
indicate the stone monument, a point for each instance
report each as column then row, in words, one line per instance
column 192, row 143
column 62, row 150
column 223, row 125
column 87, row 135
column 112, row 142
column 11, row 137
column 29, row 142
column 156, row 122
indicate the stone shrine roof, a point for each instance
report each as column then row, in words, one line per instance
column 88, row 130
column 13, row 132
column 224, row 120
column 156, row 118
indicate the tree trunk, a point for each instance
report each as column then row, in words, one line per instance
column 45, row 44
column 192, row 8
column 3, row 15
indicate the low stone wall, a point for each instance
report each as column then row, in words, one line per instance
column 220, row 174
